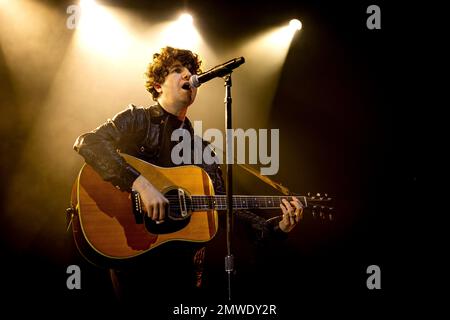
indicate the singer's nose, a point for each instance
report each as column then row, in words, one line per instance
column 186, row 74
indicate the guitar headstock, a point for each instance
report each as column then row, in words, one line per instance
column 319, row 204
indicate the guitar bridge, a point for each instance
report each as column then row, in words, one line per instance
column 137, row 207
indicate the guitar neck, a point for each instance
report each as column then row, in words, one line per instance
column 242, row 202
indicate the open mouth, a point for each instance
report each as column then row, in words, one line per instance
column 186, row 86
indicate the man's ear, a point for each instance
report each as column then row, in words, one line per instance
column 157, row 87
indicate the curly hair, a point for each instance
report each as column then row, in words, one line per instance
column 158, row 68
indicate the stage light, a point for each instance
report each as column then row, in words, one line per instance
column 86, row 4
column 295, row 24
column 182, row 33
column 186, row 19
column 283, row 36
column 268, row 49
column 100, row 32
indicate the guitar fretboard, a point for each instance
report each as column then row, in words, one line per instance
column 241, row 202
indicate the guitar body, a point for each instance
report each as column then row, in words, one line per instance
column 105, row 227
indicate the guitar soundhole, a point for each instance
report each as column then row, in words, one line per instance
column 178, row 213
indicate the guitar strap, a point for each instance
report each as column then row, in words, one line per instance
column 276, row 185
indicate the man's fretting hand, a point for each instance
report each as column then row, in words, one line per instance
column 292, row 214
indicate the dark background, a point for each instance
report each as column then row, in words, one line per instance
column 349, row 106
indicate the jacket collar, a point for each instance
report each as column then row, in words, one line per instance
column 158, row 114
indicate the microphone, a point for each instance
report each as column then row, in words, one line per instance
column 196, row 80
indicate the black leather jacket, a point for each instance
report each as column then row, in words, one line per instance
column 138, row 132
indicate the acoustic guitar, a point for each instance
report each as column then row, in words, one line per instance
column 109, row 226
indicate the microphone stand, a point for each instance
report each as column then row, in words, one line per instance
column 229, row 259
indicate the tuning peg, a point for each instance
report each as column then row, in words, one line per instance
column 309, row 194
column 326, row 195
column 318, row 194
column 330, row 217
